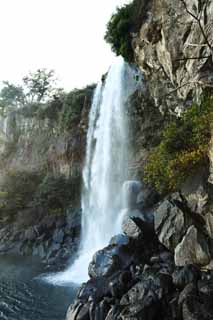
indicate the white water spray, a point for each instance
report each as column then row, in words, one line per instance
column 106, row 168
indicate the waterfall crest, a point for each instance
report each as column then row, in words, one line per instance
column 106, row 167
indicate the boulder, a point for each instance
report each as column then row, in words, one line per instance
column 171, row 222
column 193, row 249
column 105, row 262
column 131, row 228
column 145, row 295
column 137, row 229
column 120, row 240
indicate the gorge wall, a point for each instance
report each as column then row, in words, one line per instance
column 42, row 154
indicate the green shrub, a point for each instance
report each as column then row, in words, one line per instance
column 73, row 106
column 51, row 110
column 118, row 31
column 57, row 193
column 184, row 147
column 17, row 191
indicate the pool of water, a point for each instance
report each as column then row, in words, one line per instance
column 24, row 295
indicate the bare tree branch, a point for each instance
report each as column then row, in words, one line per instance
column 196, row 82
column 193, row 58
column 198, row 20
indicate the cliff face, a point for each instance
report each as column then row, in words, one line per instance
column 40, row 178
column 31, row 144
column 173, row 50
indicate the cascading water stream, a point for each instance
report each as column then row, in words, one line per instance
column 106, row 167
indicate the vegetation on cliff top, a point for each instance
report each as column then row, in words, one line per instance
column 183, row 148
column 118, row 32
column 120, row 28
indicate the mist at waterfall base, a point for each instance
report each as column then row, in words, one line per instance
column 105, row 170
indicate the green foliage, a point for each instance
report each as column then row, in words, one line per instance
column 40, row 85
column 66, row 108
column 17, row 191
column 37, row 87
column 118, row 31
column 74, row 103
column 57, row 193
column 50, row 110
column 22, row 190
column 184, row 147
column 11, row 96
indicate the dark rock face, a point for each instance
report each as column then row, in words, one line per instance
column 184, row 276
column 128, row 278
column 137, row 277
column 53, row 239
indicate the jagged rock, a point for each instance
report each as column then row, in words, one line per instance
column 195, row 301
column 209, row 224
column 105, row 262
column 194, row 190
column 171, row 223
column 184, row 276
column 132, row 229
column 166, row 33
column 146, row 294
column 137, row 229
column 193, row 249
column 78, row 312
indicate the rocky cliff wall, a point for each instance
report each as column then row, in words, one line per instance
column 173, row 49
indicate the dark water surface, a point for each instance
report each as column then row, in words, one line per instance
column 24, row 296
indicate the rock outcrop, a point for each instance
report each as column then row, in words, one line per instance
column 136, row 277
column 53, row 239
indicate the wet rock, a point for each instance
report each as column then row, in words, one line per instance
column 146, row 294
column 78, row 311
column 94, row 290
column 105, row 262
column 193, row 249
column 119, row 240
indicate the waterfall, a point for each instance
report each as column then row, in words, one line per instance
column 106, row 167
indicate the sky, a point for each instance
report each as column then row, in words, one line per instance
column 64, row 35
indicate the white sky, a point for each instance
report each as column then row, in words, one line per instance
column 64, row 35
